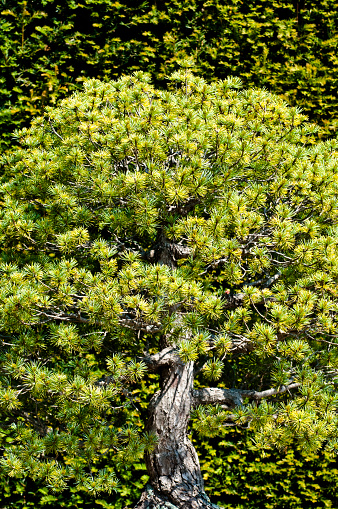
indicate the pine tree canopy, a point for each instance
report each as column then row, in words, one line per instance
column 139, row 226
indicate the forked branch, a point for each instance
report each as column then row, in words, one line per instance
column 166, row 357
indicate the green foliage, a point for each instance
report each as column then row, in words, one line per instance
column 48, row 48
column 21, row 493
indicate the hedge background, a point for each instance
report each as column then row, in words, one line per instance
column 48, row 47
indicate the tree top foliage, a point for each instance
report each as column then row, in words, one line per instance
column 203, row 217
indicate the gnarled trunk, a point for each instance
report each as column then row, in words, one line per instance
column 173, row 466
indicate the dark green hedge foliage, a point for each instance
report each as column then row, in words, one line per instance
column 48, row 47
column 240, row 477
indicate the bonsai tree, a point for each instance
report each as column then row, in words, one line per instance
column 191, row 233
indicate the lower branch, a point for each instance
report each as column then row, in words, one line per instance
column 215, row 395
column 234, row 397
column 257, row 395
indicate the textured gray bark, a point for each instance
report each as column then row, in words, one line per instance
column 173, row 467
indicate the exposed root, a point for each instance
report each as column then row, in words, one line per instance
column 151, row 500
